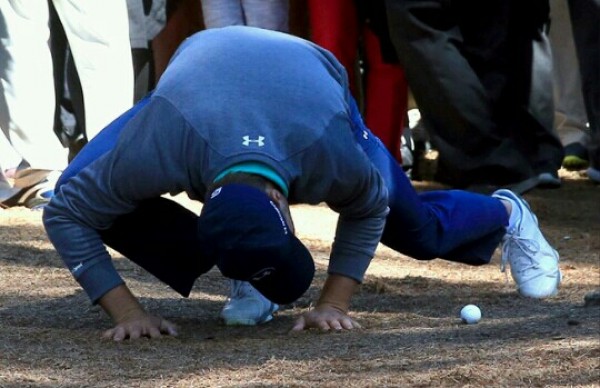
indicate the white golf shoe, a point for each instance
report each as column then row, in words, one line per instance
column 533, row 262
column 247, row 306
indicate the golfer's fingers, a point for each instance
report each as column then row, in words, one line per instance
column 335, row 324
column 168, row 327
column 323, row 325
column 108, row 334
column 339, row 324
column 349, row 323
column 118, row 334
column 135, row 333
column 153, row 332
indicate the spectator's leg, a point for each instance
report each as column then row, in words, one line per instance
column 98, row 34
column 222, row 13
column 27, row 97
column 570, row 116
column 334, row 26
column 586, row 31
column 386, row 96
column 456, row 100
column 526, row 108
column 268, row 14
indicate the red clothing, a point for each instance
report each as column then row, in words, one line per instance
column 337, row 26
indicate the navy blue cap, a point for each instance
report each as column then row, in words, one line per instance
column 251, row 241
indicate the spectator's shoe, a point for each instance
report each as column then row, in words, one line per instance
column 574, row 163
column 520, row 187
column 246, row 306
column 576, row 157
column 594, row 174
column 27, row 177
column 549, row 180
column 38, row 196
column 7, row 191
column 533, row 262
column 593, row 171
column 34, row 195
column 525, row 185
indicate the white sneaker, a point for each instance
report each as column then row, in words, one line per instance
column 533, row 262
column 247, row 306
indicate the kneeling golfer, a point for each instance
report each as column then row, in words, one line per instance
column 249, row 121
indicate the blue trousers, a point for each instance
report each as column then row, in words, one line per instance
column 453, row 225
column 449, row 224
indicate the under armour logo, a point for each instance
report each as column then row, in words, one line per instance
column 259, row 142
column 216, row 192
column 365, row 135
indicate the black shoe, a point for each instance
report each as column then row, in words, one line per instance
column 549, row 180
column 520, row 187
column 524, row 186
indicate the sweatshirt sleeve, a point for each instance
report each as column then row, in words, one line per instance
column 338, row 172
column 361, row 199
column 147, row 161
column 359, row 230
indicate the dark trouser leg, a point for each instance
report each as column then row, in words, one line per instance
column 457, row 68
column 143, row 71
column 527, row 108
column 69, row 118
column 161, row 236
column 453, row 225
column 586, row 31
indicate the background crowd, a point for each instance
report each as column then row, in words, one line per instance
column 508, row 92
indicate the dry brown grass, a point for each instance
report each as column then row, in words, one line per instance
column 412, row 335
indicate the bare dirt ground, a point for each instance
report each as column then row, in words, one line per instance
column 412, row 335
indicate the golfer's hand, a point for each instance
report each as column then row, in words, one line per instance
column 131, row 320
column 144, row 325
column 326, row 318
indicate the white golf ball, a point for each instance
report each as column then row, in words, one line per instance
column 470, row 314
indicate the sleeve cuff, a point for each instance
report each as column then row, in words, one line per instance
column 354, row 268
column 99, row 279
